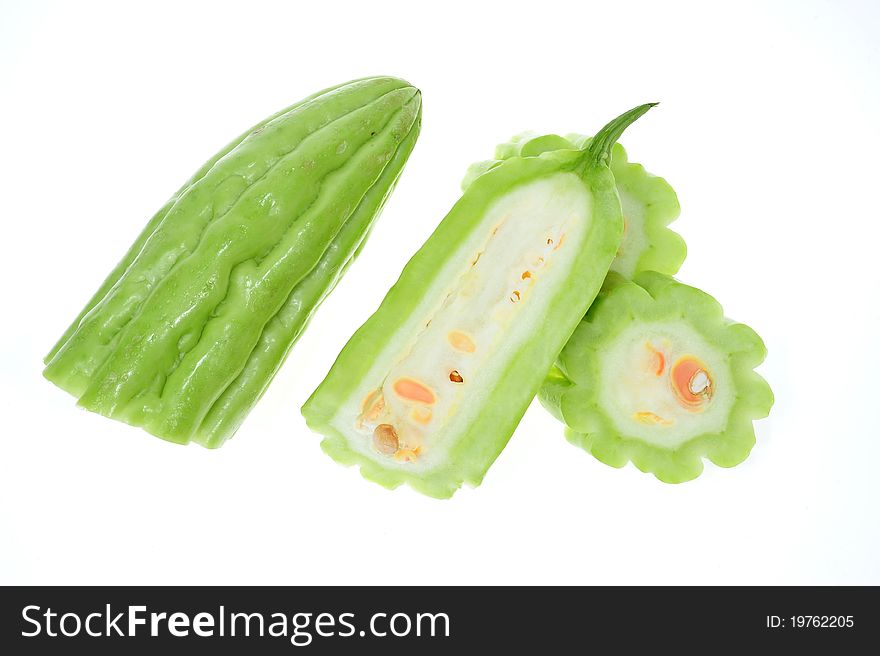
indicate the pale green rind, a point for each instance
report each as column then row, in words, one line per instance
column 477, row 169
column 666, row 250
column 474, row 451
column 570, row 392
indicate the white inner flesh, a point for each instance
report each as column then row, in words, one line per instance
column 635, row 241
column 494, row 290
column 633, row 386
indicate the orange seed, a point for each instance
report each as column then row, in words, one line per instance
column 691, row 382
column 412, row 390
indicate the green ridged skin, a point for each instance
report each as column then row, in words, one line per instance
column 482, row 388
column 595, row 378
column 649, row 203
column 188, row 330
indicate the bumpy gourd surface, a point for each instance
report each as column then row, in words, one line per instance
column 429, row 390
column 188, row 330
column 649, row 204
column 656, row 375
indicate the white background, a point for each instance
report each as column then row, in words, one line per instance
column 768, row 129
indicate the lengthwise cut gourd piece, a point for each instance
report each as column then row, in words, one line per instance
column 649, row 204
column 656, row 375
column 429, row 390
column 186, row 333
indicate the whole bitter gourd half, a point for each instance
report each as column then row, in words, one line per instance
column 429, row 390
column 188, row 330
column 649, row 203
column 655, row 375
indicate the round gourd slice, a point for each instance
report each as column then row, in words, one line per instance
column 657, row 376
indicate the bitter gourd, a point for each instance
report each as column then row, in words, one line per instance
column 429, row 390
column 656, row 375
column 649, row 203
column 188, row 330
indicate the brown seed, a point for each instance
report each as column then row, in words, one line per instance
column 385, row 439
column 514, row 297
column 526, row 275
column 455, row 377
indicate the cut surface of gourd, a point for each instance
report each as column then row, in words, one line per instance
column 422, row 391
column 657, row 376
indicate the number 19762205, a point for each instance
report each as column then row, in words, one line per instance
column 811, row 622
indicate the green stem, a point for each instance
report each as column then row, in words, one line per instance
column 599, row 149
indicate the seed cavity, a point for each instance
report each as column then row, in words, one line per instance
column 385, row 439
column 414, row 390
column 515, row 296
column 455, row 377
column 461, row 341
column 561, row 242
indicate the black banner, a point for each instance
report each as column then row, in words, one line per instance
column 330, row 620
